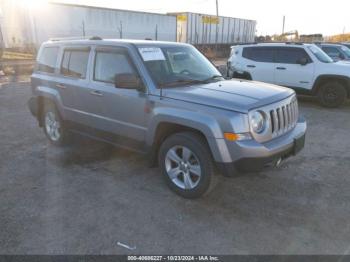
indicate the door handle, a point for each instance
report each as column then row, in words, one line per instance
column 251, row 66
column 281, row 68
column 96, row 93
column 61, row 86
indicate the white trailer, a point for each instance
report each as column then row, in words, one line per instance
column 57, row 20
column 199, row 29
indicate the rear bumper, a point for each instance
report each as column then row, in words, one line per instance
column 250, row 156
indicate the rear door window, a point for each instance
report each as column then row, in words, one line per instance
column 290, row 55
column 259, row 54
column 48, row 59
column 74, row 63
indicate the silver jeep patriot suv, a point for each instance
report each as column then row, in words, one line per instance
column 165, row 100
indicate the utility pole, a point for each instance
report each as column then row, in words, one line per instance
column 120, row 29
column 156, row 34
column 83, row 27
column 217, row 8
column 283, row 24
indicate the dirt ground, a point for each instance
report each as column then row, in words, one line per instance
column 85, row 198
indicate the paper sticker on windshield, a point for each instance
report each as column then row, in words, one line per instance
column 151, row 53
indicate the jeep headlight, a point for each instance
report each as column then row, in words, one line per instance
column 257, row 122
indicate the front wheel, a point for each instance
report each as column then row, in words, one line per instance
column 331, row 94
column 186, row 164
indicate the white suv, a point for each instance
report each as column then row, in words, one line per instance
column 303, row 67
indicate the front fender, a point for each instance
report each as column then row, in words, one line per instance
column 195, row 120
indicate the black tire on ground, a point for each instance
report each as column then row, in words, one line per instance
column 50, row 108
column 201, row 151
column 331, row 94
column 228, row 73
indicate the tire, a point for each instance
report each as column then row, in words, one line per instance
column 331, row 94
column 229, row 74
column 53, row 125
column 191, row 178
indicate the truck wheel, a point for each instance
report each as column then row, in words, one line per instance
column 331, row 94
column 53, row 124
column 186, row 164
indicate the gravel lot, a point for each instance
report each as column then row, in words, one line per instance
column 85, row 198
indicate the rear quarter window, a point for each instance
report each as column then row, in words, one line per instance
column 47, row 60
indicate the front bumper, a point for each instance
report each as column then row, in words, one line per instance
column 250, row 156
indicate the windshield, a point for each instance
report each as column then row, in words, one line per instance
column 346, row 51
column 178, row 65
column 320, row 54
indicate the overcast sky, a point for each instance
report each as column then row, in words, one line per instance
column 306, row 16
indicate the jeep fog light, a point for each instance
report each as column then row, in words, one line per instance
column 237, row 137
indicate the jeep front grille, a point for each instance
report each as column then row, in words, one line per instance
column 281, row 117
column 284, row 118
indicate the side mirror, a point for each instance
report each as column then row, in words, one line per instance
column 335, row 58
column 341, row 56
column 303, row 61
column 127, row 81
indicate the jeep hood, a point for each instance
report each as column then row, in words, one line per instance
column 341, row 68
column 235, row 95
column 343, row 62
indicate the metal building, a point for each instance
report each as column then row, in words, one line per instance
column 200, row 29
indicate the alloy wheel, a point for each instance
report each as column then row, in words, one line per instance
column 52, row 126
column 183, row 167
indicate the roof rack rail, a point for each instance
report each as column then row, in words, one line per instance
column 279, row 42
column 248, row 43
column 327, row 43
column 56, row 39
column 294, row 43
column 270, row 42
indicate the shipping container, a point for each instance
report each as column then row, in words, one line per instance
column 199, row 29
column 65, row 20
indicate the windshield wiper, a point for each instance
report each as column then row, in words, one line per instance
column 181, row 81
column 214, row 77
column 190, row 81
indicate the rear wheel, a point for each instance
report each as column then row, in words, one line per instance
column 229, row 73
column 53, row 124
column 186, row 164
column 331, row 94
